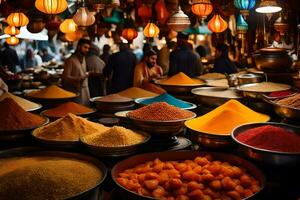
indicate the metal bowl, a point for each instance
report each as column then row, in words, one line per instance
column 53, row 102
column 284, row 111
column 266, row 156
column 90, row 194
column 139, row 101
column 296, row 81
column 19, row 134
column 250, row 78
column 179, row 89
column 39, row 106
column 52, row 118
column 182, row 155
column 115, row 151
column 112, row 107
column 212, row 101
column 161, row 128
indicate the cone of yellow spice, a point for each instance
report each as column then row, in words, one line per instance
column 223, row 119
column 51, row 92
column 181, row 79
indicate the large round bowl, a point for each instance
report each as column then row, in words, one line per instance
column 269, row 157
column 52, row 118
column 160, row 128
column 115, row 151
column 139, row 101
column 284, row 111
column 177, row 156
column 52, row 102
column 90, row 194
column 179, row 89
column 213, row 101
column 112, row 107
column 19, row 134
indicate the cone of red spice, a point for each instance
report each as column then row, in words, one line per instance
column 14, row 117
column 69, row 107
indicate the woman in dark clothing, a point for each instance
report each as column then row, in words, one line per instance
column 222, row 62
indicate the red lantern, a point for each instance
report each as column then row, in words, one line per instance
column 162, row 12
column 145, row 12
column 217, row 24
column 53, row 24
column 129, row 34
column 202, row 8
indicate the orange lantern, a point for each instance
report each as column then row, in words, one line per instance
column 68, row 26
column 151, row 30
column 162, row 12
column 74, row 36
column 145, row 12
column 51, row 6
column 217, row 24
column 83, row 17
column 36, row 25
column 12, row 40
column 202, row 8
column 17, row 19
column 11, row 30
column 129, row 34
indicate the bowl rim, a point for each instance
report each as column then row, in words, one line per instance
column 57, row 117
column 46, row 121
column 235, row 130
column 266, row 97
column 160, row 121
column 274, row 103
column 158, row 82
column 93, row 100
column 191, row 107
column 211, row 135
column 193, row 91
column 39, row 106
column 241, row 88
column 61, row 98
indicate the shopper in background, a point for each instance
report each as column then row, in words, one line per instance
column 74, row 77
column 29, row 60
column 222, row 62
column 163, row 56
column 9, row 58
column 106, row 53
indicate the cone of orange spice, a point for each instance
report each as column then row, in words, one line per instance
column 69, row 107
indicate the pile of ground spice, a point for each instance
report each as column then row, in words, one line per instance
column 13, row 116
column 266, row 87
column 68, row 128
column 271, row 138
column 135, row 92
column 66, row 108
column 24, row 103
column 116, row 136
column 223, row 119
column 35, row 178
column 160, row 111
column 113, row 98
column 51, row 92
column 292, row 101
column 213, row 75
column 181, row 79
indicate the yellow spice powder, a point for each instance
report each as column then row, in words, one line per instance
column 51, row 92
column 135, row 92
column 181, row 79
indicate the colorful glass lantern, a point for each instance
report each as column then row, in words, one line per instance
column 17, row 19
column 179, row 21
column 68, row 26
column 74, row 36
column 151, row 30
column 242, row 25
column 162, row 13
column 116, row 17
column 83, row 17
column 51, row 6
column 12, row 40
column 145, row 12
column 217, row 24
column 129, row 34
column 268, row 6
column 11, row 30
column 244, row 6
column 202, row 8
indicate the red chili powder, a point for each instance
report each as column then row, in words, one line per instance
column 281, row 93
column 271, row 138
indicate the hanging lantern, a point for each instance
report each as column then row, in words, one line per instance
column 162, row 13
column 51, row 6
column 11, row 30
column 202, row 8
column 244, row 6
column 129, row 34
column 53, row 24
column 12, row 40
column 217, row 24
column 74, row 36
column 68, row 26
column 268, row 6
column 84, row 17
column 179, row 21
column 281, row 26
column 151, row 30
column 242, row 25
column 115, row 18
column 145, row 12
column 17, row 19
column 36, row 25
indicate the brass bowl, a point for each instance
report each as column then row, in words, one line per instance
column 112, row 107
column 52, row 102
column 285, row 111
column 178, row 156
column 213, row 101
column 296, row 81
column 267, row 156
column 52, row 118
column 250, row 78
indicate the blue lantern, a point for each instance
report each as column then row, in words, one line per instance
column 244, row 6
column 202, row 29
column 241, row 25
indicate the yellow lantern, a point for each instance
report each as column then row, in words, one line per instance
column 217, row 24
column 68, row 26
column 11, row 30
column 151, row 30
column 12, row 40
column 202, row 8
column 129, row 34
column 84, row 17
column 51, row 6
column 17, row 19
column 74, row 36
